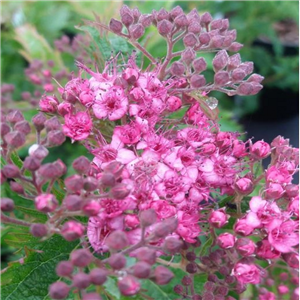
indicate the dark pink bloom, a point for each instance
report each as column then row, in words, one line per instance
column 260, row 149
column 245, row 246
column 278, row 175
column 128, row 134
column 48, row 104
column 244, row 186
column 226, row 240
column 218, row 218
column 267, row 296
column 242, row 227
column 97, row 232
column 173, row 103
column 86, row 98
column 78, row 127
column 266, row 250
column 188, row 227
column 247, row 273
column 64, row 108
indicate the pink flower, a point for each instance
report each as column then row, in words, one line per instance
column 173, row 103
column 260, row 149
column 244, row 186
column 110, row 103
column 278, row 175
column 246, row 273
column 163, row 209
column 218, row 218
column 78, row 127
column 245, row 246
column 282, row 235
column 97, row 232
column 226, row 240
column 266, row 250
column 48, row 104
column 242, row 227
column 188, row 227
column 64, row 108
column 46, row 203
column 267, row 296
column 86, row 98
column 128, row 134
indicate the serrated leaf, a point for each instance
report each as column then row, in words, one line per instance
column 32, row 279
column 18, row 162
column 205, row 246
column 37, row 216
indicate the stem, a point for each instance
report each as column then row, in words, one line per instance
column 7, row 219
column 143, row 50
column 168, row 58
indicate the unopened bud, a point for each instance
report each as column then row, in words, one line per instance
column 292, row 190
column 127, row 19
column 4, row 129
column 23, row 126
column 137, row 31
column 164, row 27
column 59, row 290
column 117, row 261
column 141, row 270
column 81, row 165
column 190, row 40
column 64, row 269
column 146, row 20
column 191, row 268
column 39, row 121
column 98, row 276
column 178, row 289
column 55, row 138
column 234, row 47
column 188, row 55
column 32, row 163
column 234, row 61
column 216, row 24
column 7, row 204
column 181, row 21
column 90, row 184
column 115, row 168
column 191, row 256
column 176, row 11
column 220, row 61
column 292, row 259
column 216, row 41
column 260, row 149
column 166, row 227
column 46, row 203
column 177, row 68
column 72, row 230
column 81, row 257
column 197, row 81
column 186, row 280
column 38, row 151
column 129, row 285
column 119, row 191
column 74, row 183
column 162, row 14
column 91, row 208
column 108, row 179
column 194, row 28
column 11, row 171
column 38, row 230
column 15, row 139
column 14, row 116
column 115, row 26
column 172, row 245
column 238, row 75
column 199, row 65
column 47, row 171
column 244, row 186
column 73, row 202
column 221, row 78
column 48, row 104
column 162, row 275
column 52, row 124
column 147, row 255
column 255, row 78
column 81, row 280
column 117, row 240
column 148, row 217
column 204, row 38
column 16, row 187
column 244, row 89
column 205, row 19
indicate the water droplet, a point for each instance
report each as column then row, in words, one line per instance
column 211, row 102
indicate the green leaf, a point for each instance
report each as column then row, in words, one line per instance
column 31, row 280
column 205, row 247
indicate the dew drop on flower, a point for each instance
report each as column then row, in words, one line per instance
column 211, row 102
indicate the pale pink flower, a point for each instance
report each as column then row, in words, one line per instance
column 78, row 127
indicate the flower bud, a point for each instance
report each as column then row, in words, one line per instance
column 191, row 256
column 162, row 275
column 199, row 65
column 7, row 204
column 98, row 276
column 48, row 104
column 204, row 38
column 244, row 89
column 115, row 26
column 119, row 191
column 197, row 81
column 90, row 184
column 218, row 218
column 15, row 139
column 137, row 31
column 235, row 47
column 81, row 280
column 255, row 78
column 108, row 179
column 173, row 103
column 190, row 40
column 148, row 217
column 181, row 21
column 64, row 269
column 191, row 268
column 164, row 27
column 260, row 150
column 292, row 190
column 129, row 285
column 91, row 208
column 117, row 240
column 38, row 230
column 216, row 41
column 226, row 240
column 244, row 186
column 234, row 61
column 32, row 163
column 127, row 18
column 47, row 171
column 73, row 202
column 23, row 126
column 16, row 187
column 38, row 151
column 14, row 116
column 39, row 121
column 147, row 255
column 11, row 171
column 162, row 14
column 292, row 259
column 194, row 28
column 74, row 183
column 91, row 296
column 61, row 168
column 117, row 261
column 245, row 247
column 59, row 290
column 172, row 245
column 188, row 55
column 178, row 289
column 65, row 108
column 216, row 24
column 81, row 165
column 176, row 11
column 177, row 68
column 72, row 230
column 4, row 129
column 220, row 61
column 186, row 280
column 52, row 124
column 55, row 138
column 141, row 270
column 81, row 257
column 238, row 75
column 115, row 168
column 46, row 203
column 166, row 227
column 206, row 18
column 146, row 20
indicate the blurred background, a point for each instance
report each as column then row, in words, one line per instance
column 38, row 35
